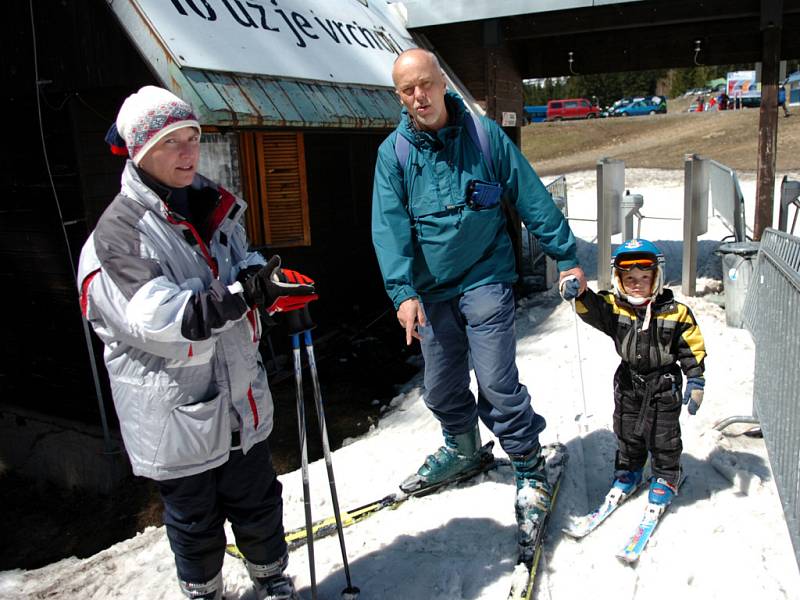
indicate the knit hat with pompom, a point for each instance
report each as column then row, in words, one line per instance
column 146, row 117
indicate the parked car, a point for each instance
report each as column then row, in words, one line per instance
column 613, row 110
column 610, row 110
column 571, row 108
column 696, row 91
column 646, row 106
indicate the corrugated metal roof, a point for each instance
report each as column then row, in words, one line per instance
column 228, row 99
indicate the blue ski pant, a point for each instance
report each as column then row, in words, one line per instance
column 478, row 324
column 246, row 491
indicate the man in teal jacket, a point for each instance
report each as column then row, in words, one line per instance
column 448, row 265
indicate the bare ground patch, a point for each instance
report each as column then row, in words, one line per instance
column 659, row 141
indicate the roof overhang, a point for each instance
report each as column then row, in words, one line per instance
column 427, row 13
column 273, row 66
column 548, row 38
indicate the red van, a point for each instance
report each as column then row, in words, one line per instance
column 571, row 108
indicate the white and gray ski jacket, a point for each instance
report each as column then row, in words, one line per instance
column 181, row 344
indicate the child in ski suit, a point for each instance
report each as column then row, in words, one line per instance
column 659, row 342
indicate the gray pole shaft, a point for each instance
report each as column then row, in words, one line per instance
column 301, row 431
column 109, row 447
column 312, row 363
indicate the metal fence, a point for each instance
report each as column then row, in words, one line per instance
column 533, row 254
column 772, row 314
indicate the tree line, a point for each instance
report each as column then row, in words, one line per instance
column 605, row 88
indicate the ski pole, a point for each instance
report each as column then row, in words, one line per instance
column 580, row 365
column 350, row 592
column 562, row 285
column 301, row 430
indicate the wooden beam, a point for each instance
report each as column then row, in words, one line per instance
column 635, row 16
column 767, row 130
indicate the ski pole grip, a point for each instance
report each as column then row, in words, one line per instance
column 298, row 321
column 569, row 287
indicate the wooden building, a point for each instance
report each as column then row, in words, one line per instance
column 298, row 144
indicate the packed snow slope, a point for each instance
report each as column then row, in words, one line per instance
column 724, row 536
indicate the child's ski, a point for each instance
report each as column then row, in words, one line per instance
column 631, row 552
column 583, row 526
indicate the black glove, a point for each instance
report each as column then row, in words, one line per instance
column 268, row 286
column 251, row 286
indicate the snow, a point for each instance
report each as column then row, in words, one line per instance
column 724, row 536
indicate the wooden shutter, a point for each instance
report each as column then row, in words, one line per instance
column 281, row 217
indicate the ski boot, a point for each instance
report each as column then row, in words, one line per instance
column 210, row 590
column 627, row 481
column 460, row 453
column 661, row 492
column 270, row 582
column 533, row 500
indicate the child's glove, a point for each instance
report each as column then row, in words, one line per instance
column 569, row 287
column 693, row 394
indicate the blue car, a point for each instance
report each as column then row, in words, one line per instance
column 646, row 106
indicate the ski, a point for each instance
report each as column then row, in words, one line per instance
column 327, row 526
column 583, row 526
column 524, row 576
column 653, row 513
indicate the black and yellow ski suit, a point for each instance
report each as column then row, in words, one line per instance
column 648, row 381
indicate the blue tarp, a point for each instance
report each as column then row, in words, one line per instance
column 535, row 113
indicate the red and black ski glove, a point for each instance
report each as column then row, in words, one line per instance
column 303, row 294
column 278, row 290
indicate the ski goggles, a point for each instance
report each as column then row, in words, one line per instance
column 643, row 263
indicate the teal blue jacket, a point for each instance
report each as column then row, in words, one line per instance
column 428, row 243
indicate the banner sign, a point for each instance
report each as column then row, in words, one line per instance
column 742, row 84
column 340, row 41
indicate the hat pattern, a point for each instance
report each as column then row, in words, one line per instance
column 154, row 121
column 147, row 116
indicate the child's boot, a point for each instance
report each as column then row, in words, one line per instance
column 627, row 481
column 661, row 492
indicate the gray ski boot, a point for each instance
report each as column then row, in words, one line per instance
column 210, row 590
column 460, row 453
column 534, row 495
column 270, row 582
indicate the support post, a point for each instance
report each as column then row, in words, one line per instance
column 610, row 184
column 771, row 11
column 695, row 185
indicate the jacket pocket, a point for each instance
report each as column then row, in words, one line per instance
column 424, row 206
column 193, row 434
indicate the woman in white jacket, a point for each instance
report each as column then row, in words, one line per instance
column 169, row 286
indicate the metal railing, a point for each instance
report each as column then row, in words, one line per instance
column 727, row 199
column 534, row 255
column 772, row 314
column 790, row 196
